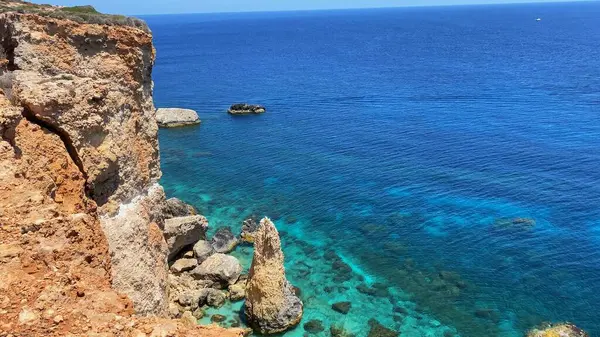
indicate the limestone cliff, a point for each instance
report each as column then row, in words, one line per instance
column 81, row 242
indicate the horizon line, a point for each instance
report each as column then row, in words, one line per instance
column 377, row 7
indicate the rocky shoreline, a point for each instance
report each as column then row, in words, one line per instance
column 89, row 243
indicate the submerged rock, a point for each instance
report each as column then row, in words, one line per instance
column 174, row 117
column 176, row 208
column 271, row 305
column 342, row 307
column 203, row 250
column 220, row 268
column 184, row 231
column 224, row 241
column 249, row 229
column 314, row 326
column 558, row 330
column 246, row 109
column 378, row 330
column 215, row 298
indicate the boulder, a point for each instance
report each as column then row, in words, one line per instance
column 202, row 250
column 271, row 304
column 246, row 109
column 220, row 268
column 224, row 241
column 174, row 117
column 183, row 231
column 176, row 208
column 182, row 265
column 249, row 229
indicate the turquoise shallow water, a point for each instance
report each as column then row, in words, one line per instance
column 443, row 160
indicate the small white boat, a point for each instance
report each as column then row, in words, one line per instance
column 538, row 19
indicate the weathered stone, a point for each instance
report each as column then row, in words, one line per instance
column 175, row 208
column 202, row 250
column 342, row 307
column 188, row 318
column 221, row 268
column 271, row 305
column 182, row 265
column 224, row 241
column 183, row 231
column 174, row 117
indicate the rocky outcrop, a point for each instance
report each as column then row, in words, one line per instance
column 558, row 330
column 175, row 117
column 184, row 231
column 246, row 109
column 271, row 304
column 81, row 242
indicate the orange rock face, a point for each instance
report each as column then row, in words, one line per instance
column 78, row 175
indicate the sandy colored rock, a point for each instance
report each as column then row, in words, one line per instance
column 175, row 117
column 271, row 304
column 558, row 330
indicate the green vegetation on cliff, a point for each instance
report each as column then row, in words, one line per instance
column 81, row 14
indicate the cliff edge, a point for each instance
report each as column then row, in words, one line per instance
column 81, row 242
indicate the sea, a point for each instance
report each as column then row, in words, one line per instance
column 436, row 167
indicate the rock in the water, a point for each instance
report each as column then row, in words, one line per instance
column 342, row 307
column 220, row 268
column 271, row 305
column 176, row 208
column 215, row 298
column 378, row 330
column 216, row 318
column 174, row 117
column 246, row 109
column 184, row 231
column 224, row 241
column 558, row 330
column 237, row 292
column 182, row 265
column 314, row 326
column 203, row 249
column 249, row 228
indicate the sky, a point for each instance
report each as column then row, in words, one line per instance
column 140, row 7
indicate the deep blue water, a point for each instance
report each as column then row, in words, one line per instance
column 406, row 141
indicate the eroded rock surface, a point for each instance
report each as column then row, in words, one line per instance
column 558, row 330
column 271, row 304
column 81, row 240
column 219, row 268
